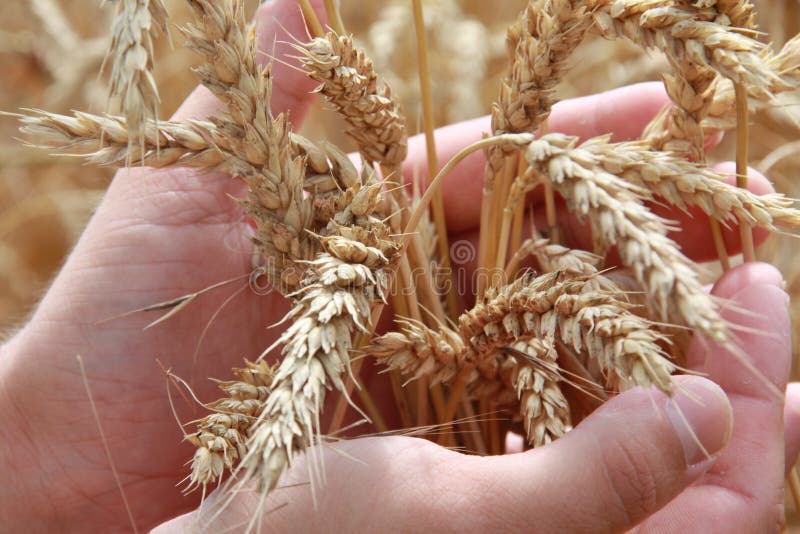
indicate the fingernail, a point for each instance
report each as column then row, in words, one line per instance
column 702, row 418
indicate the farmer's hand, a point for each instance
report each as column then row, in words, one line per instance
column 640, row 457
column 158, row 235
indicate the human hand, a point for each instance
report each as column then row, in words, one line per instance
column 709, row 460
column 158, row 235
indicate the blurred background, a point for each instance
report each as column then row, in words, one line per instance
column 51, row 52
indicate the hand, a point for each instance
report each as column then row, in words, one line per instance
column 162, row 234
column 639, row 457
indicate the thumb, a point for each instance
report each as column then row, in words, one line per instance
column 624, row 462
column 620, row 465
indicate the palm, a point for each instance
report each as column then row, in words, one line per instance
column 179, row 233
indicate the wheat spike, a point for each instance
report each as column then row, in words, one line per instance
column 692, row 88
column 106, row 139
column 335, row 300
column 540, row 44
column 683, row 183
column 221, row 436
column 624, row 345
column 349, row 82
column 535, row 379
column 131, row 56
column 682, row 37
column 619, row 217
column 552, row 306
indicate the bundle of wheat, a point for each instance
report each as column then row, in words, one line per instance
column 341, row 241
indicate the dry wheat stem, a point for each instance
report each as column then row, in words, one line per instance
column 742, row 146
column 437, row 205
column 131, row 57
column 335, row 16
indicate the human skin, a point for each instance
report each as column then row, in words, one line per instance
column 160, row 234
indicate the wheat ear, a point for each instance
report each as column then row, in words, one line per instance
column 683, row 183
column 539, row 43
column 682, row 37
column 554, row 305
column 221, row 436
column 348, row 81
column 619, row 217
column 336, row 299
column 535, row 378
column 131, row 56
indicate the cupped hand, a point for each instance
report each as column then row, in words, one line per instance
column 161, row 234
column 709, row 460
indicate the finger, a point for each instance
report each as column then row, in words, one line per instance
column 791, row 424
column 625, row 461
column 277, row 24
column 407, row 480
column 757, row 308
column 624, row 112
